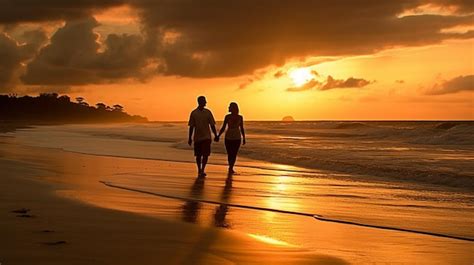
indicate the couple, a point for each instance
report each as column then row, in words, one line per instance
column 201, row 120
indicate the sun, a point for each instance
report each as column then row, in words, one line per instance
column 301, row 76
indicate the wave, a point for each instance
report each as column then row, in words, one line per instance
column 364, row 169
column 351, row 125
column 459, row 134
column 446, row 125
column 421, row 152
column 140, row 138
column 422, row 133
column 367, row 149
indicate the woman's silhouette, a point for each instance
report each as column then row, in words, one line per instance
column 233, row 134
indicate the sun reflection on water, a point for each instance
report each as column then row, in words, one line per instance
column 269, row 240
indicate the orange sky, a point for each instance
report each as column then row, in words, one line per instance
column 408, row 77
column 401, row 79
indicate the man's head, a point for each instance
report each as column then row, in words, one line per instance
column 202, row 101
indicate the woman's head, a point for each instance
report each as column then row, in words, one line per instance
column 233, row 108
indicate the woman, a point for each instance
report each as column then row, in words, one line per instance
column 232, row 135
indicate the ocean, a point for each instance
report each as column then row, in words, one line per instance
column 406, row 174
column 425, row 152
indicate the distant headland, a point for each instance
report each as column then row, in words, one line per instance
column 50, row 108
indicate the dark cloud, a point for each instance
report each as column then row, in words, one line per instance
column 16, row 11
column 247, row 83
column 341, row 83
column 279, row 74
column 74, row 57
column 331, row 83
column 218, row 38
column 308, row 86
column 13, row 54
column 400, row 81
column 50, row 89
column 458, row 84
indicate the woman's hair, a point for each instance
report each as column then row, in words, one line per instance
column 234, row 108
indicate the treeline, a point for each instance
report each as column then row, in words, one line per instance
column 52, row 108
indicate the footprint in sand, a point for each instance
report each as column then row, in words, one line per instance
column 26, row 215
column 22, row 211
column 54, row 243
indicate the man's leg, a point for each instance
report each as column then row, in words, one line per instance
column 203, row 167
column 198, row 163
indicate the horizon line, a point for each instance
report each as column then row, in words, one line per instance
column 341, row 120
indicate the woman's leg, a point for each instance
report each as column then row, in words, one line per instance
column 234, row 147
column 228, row 148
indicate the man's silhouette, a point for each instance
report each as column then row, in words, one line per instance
column 199, row 122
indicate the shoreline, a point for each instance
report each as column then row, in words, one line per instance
column 58, row 230
column 382, row 171
column 41, row 226
column 7, row 126
column 61, row 188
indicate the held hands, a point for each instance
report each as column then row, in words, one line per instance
column 190, row 141
column 216, row 139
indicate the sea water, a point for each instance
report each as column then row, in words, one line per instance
column 413, row 175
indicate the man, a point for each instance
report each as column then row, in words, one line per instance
column 199, row 122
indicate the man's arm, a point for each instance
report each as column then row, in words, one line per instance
column 191, row 125
column 190, row 139
column 212, row 123
column 213, row 128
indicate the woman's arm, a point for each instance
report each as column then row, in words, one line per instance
column 223, row 127
column 242, row 128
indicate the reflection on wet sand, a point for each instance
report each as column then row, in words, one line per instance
column 263, row 188
column 191, row 211
column 191, row 208
column 221, row 210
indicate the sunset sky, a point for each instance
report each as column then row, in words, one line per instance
column 362, row 59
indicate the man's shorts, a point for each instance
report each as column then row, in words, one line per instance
column 202, row 148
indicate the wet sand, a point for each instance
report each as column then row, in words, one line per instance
column 12, row 126
column 55, row 230
column 78, row 220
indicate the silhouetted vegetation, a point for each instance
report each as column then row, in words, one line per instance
column 52, row 108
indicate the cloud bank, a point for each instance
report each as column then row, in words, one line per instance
column 331, row 83
column 74, row 57
column 455, row 85
column 208, row 38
